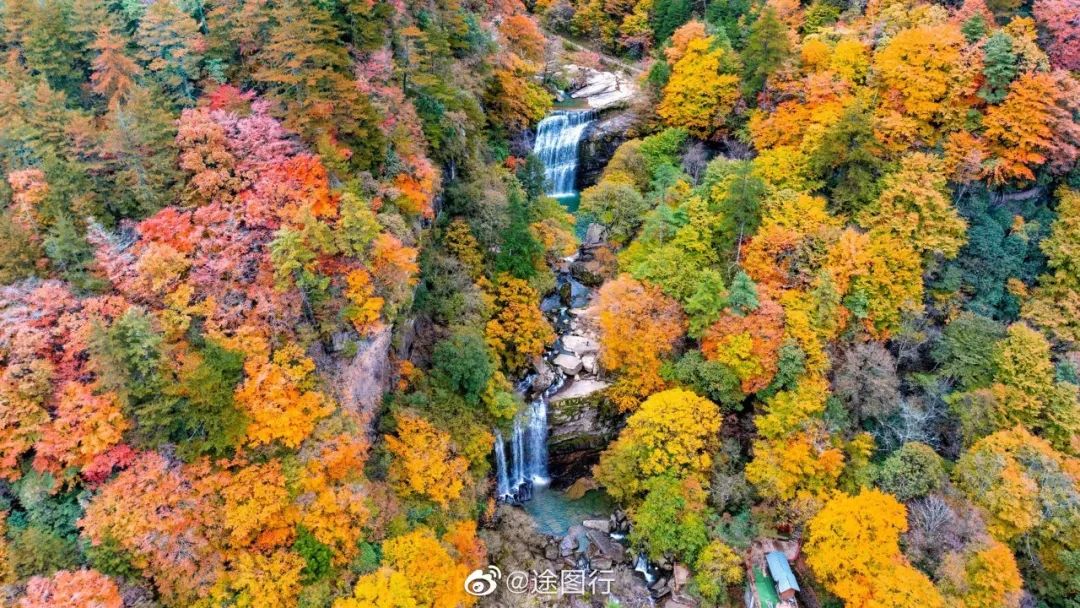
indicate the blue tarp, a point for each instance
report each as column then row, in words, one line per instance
column 780, row 571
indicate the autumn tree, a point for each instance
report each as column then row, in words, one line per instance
column 671, row 521
column 114, row 72
column 836, row 551
column 638, row 325
column 1062, row 20
column 425, row 462
column 517, row 331
column 672, row 434
column 1058, row 295
column 280, row 398
column 434, row 576
column 71, row 589
column 698, row 96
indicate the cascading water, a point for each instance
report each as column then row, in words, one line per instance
column 557, row 139
column 537, row 421
column 502, row 478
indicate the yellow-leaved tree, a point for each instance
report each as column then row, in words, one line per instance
column 424, row 462
column 698, row 96
column 853, row 547
column 674, row 433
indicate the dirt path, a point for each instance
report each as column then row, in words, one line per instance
column 605, row 58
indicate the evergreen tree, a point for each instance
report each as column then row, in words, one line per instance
column 999, row 67
column 519, row 251
column 848, row 159
column 667, row 16
column 52, row 48
column 306, row 68
column 171, row 49
column 767, row 48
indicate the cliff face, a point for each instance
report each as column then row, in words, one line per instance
column 360, row 381
column 601, row 140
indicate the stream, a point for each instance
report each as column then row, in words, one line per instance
column 521, row 458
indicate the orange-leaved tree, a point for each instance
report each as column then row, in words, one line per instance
column 638, row 325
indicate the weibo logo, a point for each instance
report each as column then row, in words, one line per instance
column 483, row 581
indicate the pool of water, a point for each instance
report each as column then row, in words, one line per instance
column 554, row 512
column 569, row 201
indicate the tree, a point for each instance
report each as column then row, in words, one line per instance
column 698, row 96
column 999, row 67
column 638, row 325
column 767, row 48
column 170, row 46
column 914, row 206
column 280, row 399
column 84, row 427
column 384, row 588
column 673, row 434
column 519, row 252
column 1061, row 19
column 1058, row 295
column 836, row 550
column 1031, row 126
column 114, row 72
column 424, row 462
column 517, row 331
column 865, row 380
column 306, row 70
column 965, row 352
column 670, row 523
column 434, row 576
column 981, row 577
column 72, row 589
column 462, row 363
column 748, row 344
column 849, row 158
column 617, row 205
column 718, row 567
column 1029, row 497
column 913, row 471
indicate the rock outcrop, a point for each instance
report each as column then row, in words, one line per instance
column 598, row 145
column 359, row 381
column 582, row 423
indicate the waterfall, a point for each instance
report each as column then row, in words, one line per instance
column 537, row 463
column 502, row 477
column 557, row 139
column 518, row 455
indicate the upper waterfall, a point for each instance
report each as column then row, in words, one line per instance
column 557, row 139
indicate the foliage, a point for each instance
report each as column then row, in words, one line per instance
column 517, row 331
column 671, row 521
column 672, row 434
column 913, row 471
column 424, row 462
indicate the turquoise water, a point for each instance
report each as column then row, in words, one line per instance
column 554, row 513
column 570, row 202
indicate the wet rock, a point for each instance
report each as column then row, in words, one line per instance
column 660, row 587
column 597, row 524
column 570, row 543
column 590, row 272
column 601, row 544
column 581, row 422
column 543, row 378
column 598, row 145
column 551, row 303
column 570, row 364
column 601, row 563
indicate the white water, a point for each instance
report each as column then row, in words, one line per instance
column 537, row 430
column 557, row 139
column 503, row 480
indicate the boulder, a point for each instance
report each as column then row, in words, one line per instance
column 569, row 543
column 580, row 487
column 595, row 235
column 570, row 364
column 680, row 601
column 597, row 524
column 589, row 364
column 660, row 587
column 543, row 378
column 601, row 544
column 679, row 576
column 580, row 345
column 590, row 272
